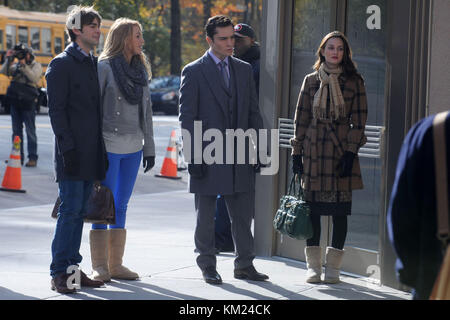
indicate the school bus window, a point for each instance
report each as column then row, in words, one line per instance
column 1, row 41
column 34, row 38
column 66, row 39
column 58, row 45
column 23, row 35
column 10, row 36
column 46, row 37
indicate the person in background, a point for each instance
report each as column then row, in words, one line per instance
column 247, row 49
column 329, row 122
column 26, row 71
column 124, row 73
column 412, row 217
column 80, row 156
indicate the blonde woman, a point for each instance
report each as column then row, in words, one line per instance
column 124, row 73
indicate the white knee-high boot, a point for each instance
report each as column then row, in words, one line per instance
column 333, row 263
column 313, row 263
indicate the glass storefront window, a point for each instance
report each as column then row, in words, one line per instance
column 311, row 23
column 369, row 48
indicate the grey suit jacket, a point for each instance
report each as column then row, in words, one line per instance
column 202, row 98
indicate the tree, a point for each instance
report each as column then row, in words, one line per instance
column 175, row 37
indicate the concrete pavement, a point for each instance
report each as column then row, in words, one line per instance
column 160, row 248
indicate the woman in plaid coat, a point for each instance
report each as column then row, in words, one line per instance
column 330, row 120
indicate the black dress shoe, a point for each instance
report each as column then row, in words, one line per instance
column 249, row 273
column 211, row 276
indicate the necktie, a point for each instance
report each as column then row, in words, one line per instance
column 223, row 71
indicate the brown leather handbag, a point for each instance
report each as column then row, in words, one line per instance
column 100, row 208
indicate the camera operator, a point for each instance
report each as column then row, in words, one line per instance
column 22, row 96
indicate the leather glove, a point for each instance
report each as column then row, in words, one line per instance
column 345, row 165
column 297, row 164
column 148, row 163
column 196, row 170
column 71, row 163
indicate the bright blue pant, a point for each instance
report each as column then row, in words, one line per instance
column 120, row 178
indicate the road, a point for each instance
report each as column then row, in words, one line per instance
column 39, row 182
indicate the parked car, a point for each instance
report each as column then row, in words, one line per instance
column 165, row 94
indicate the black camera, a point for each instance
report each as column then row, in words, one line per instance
column 20, row 51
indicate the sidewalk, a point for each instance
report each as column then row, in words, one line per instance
column 160, row 248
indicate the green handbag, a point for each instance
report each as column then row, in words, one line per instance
column 293, row 216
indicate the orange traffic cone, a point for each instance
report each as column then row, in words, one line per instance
column 169, row 167
column 12, row 181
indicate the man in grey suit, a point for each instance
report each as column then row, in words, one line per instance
column 219, row 92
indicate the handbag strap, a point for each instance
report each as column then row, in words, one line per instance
column 440, row 160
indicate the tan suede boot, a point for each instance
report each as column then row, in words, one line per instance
column 98, row 240
column 117, row 239
column 313, row 263
column 333, row 263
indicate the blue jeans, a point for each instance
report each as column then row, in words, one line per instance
column 69, row 226
column 27, row 117
column 120, row 179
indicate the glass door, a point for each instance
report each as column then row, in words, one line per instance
column 366, row 31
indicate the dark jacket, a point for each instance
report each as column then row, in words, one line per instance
column 412, row 220
column 74, row 108
column 252, row 56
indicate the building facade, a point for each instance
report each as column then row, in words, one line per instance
column 401, row 49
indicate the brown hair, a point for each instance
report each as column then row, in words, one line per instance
column 118, row 35
column 215, row 22
column 348, row 66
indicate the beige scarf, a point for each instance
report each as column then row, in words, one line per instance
column 337, row 105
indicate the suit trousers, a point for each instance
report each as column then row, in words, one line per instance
column 240, row 208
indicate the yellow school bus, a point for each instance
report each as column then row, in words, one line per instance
column 43, row 32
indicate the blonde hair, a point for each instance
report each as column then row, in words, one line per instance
column 119, row 33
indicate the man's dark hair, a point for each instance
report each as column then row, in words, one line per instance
column 80, row 17
column 215, row 22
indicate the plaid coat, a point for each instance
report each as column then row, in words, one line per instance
column 322, row 143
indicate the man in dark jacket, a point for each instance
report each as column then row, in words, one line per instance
column 246, row 48
column 80, row 155
column 412, row 217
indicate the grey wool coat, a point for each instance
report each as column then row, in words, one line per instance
column 322, row 144
column 118, row 115
column 203, row 98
